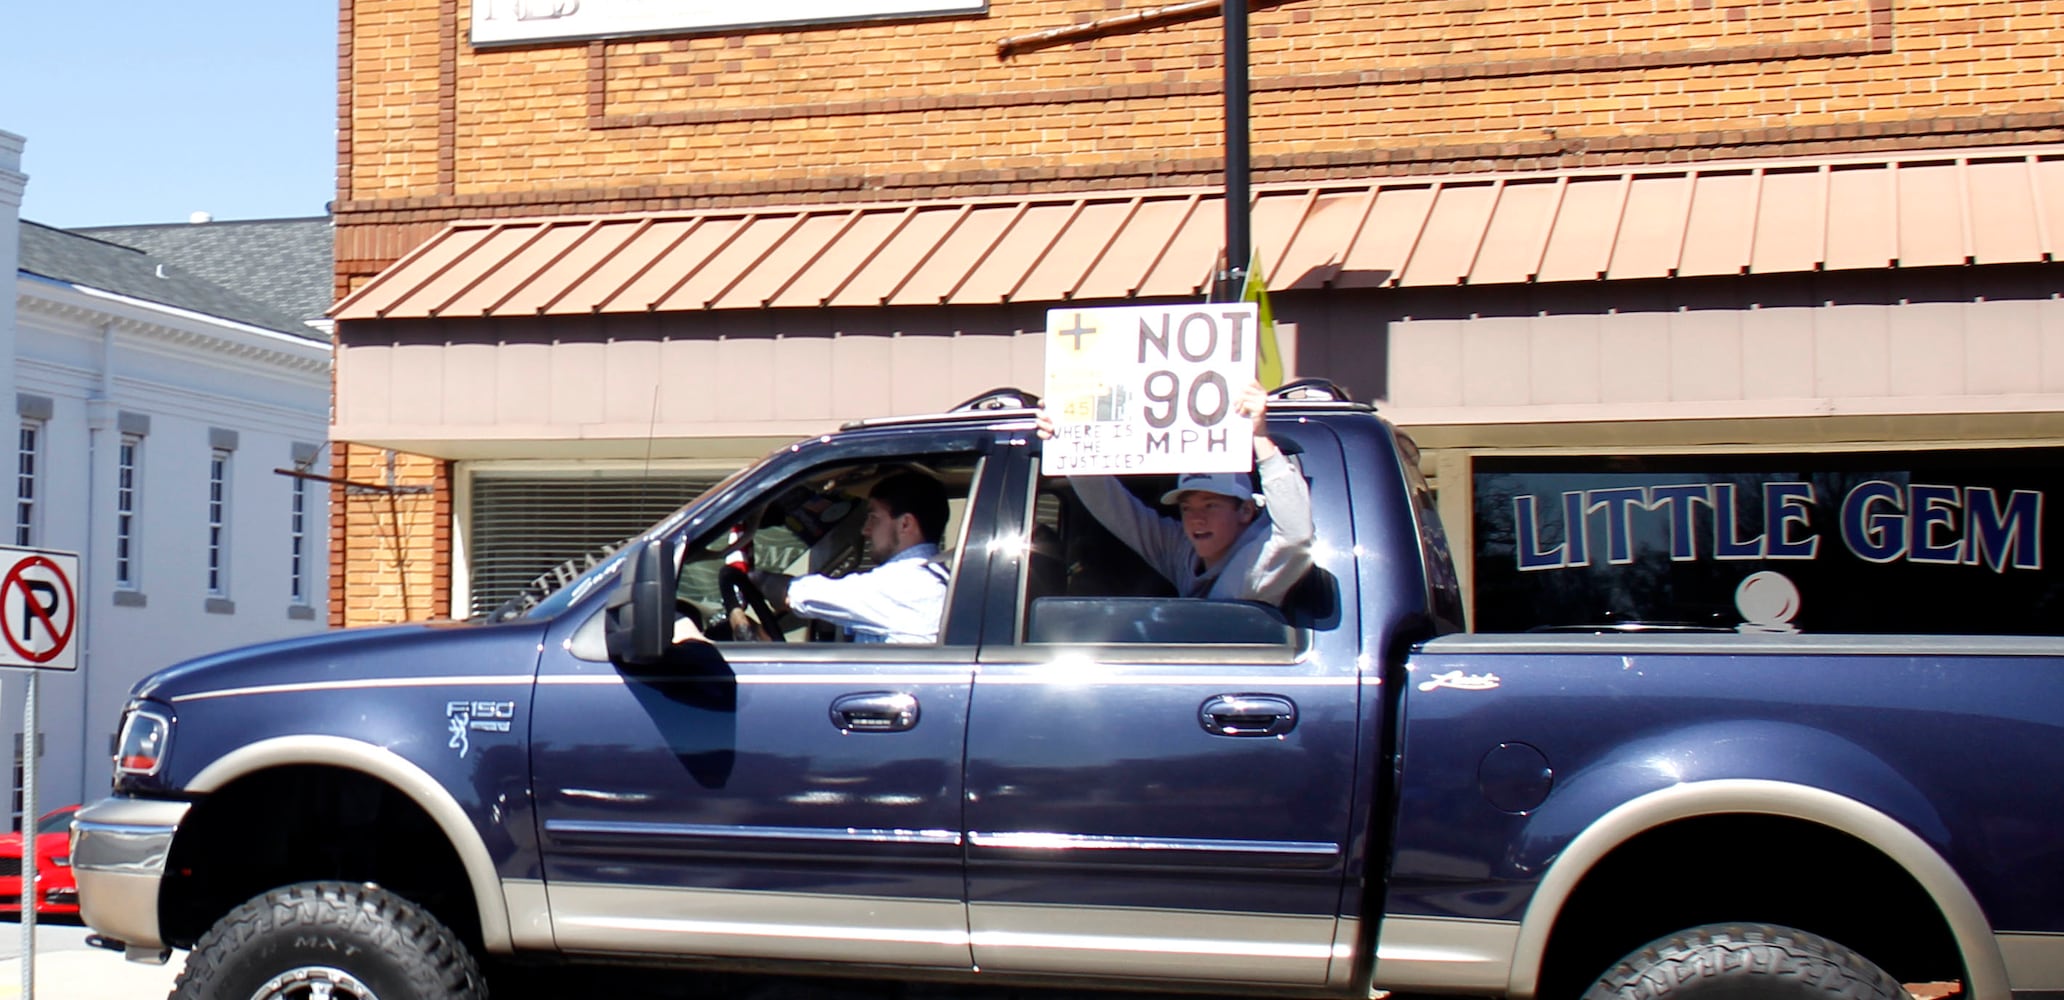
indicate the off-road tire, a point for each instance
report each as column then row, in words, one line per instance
column 335, row 939
column 1743, row 961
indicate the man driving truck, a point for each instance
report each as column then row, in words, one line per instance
column 901, row 599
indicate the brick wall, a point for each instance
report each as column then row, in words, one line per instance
column 1109, row 93
column 390, row 537
column 931, row 104
column 434, row 129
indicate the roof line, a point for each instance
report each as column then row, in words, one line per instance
column 131, row 300
column 207, row 224
column 90, row 239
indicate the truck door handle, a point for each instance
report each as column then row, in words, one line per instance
column 875, row 712
column 1248, row 715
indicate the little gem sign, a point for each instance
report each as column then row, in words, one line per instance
column 1144, row 389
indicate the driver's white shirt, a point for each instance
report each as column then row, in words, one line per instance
column 900, row 600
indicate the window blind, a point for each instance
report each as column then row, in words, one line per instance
column 530, row 534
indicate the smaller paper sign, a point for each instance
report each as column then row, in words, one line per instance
column 1140, row 389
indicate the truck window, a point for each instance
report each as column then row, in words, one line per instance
column 1082, row 585
column 1444, row 588
column 816, row 526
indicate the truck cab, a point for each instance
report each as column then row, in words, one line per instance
column 1030, row 795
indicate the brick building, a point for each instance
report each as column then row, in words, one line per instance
column 590, row 263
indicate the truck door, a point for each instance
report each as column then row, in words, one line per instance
column 1166, row 792
column 792, row 800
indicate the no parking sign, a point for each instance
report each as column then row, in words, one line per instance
column 39, row 609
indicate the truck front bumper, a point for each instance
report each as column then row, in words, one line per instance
column 119, row 848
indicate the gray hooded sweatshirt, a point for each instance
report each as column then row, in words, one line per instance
column 1270, row 556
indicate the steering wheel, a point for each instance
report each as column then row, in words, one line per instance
column 738, row 591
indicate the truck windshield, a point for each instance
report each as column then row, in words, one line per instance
column 601, row 573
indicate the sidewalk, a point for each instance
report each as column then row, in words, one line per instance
column 90, row 975
column 68, row 969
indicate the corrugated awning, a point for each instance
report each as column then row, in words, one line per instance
column 1760, row 217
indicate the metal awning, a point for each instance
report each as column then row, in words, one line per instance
column 1914, row 209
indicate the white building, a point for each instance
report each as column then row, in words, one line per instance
column 154, row 409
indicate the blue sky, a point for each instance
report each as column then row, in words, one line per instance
column 146, row 112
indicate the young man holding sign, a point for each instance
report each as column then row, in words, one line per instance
column 1227, row 542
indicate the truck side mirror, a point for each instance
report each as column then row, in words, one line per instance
column 638, row 621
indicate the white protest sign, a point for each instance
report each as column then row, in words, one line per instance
column 1138, row 389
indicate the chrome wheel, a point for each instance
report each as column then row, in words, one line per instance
column 329, row 941
column 314, row 982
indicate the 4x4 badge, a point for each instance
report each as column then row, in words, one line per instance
column 1460, row 681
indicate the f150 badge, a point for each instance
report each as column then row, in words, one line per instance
column 464, row 717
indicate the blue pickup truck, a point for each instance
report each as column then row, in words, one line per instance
column 1086, row 782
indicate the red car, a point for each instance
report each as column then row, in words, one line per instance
column 59, row 895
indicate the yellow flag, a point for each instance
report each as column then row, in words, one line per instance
column 1256, row 291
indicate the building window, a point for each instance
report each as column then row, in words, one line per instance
column 529, row 533
column 297, row 545
column 26, row 454
column 218, row 523
column 128, row 501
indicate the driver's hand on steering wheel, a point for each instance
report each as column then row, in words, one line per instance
column 772, row 584
column 742, row 625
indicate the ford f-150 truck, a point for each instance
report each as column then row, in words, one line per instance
column 1085, row 782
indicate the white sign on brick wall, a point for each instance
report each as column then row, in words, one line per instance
column 511, row 22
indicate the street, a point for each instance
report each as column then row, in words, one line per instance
column 69, row 969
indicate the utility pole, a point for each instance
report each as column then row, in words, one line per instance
column 1237, row 242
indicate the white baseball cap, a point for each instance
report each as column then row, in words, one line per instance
column 1226, row 484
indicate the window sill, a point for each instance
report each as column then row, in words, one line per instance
column 129, row 599
column 221, row 606
column 301, row 612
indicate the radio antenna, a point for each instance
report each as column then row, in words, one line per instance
column 651, row 431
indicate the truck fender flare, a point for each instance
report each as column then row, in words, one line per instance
column 406, row 777
column 1967, row 922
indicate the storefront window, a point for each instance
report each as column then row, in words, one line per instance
column 1925, row 541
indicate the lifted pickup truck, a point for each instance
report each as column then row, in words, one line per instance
column 1084, row 782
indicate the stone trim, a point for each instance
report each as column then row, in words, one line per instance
column 33, row 407
column 130, row 599
column 133, row 423
column 1877, row 40
column 234, row 340
column 340, row 539
column 304, row 454
column 345, row 33
column 1488, row 70
column 222, row 439
column 300, row 613
column 220, row 606
column 441, row 537
column 598, row 84
column 1129, row 23
column 447, row 96
column 12, row 181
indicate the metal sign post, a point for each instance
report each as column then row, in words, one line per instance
column 1234, row 276
column 39, row 616
column 29, row 877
